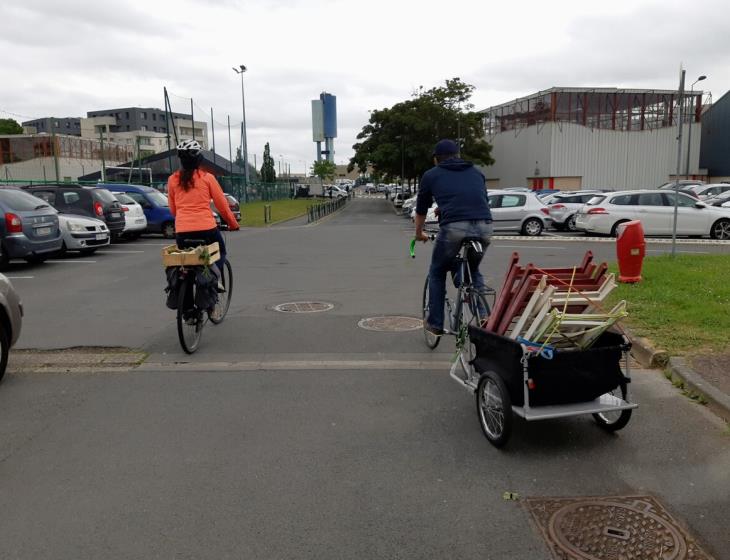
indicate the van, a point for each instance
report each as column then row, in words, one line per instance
column 153, row 202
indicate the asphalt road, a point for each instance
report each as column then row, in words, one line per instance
column 304, row 436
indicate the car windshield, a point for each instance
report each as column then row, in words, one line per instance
column 158, row 198
column 103, row 195
column 21, row 201
column 124, row 199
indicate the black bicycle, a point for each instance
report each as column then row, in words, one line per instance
column 202, row 295
column 468, row 306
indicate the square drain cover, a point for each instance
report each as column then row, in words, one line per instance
column 612, row 528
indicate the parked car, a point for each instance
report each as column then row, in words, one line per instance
column 518, row 211
column 718, row 200
column 683, row 186
column 398, row 199
column 94, row 202
column 11, row 320
column 154, row 204
column 83, row 234
column 704, row 192
column 655, row 209
column 335, row 192
column 135, row 221
column 28, row 227
column 564, row 206
column 234, row 205
column 408, row 205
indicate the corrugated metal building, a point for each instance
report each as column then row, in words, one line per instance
column 571, row 138
column 715, row 147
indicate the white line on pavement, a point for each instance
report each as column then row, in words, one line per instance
column 115, row 251
column 70, row 262
column 19, row 277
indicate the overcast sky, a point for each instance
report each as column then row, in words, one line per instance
column 66, row 57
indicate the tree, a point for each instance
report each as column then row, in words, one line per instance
column 399, row 141
column 324, row 169
column 10, row 126
column 268, row 173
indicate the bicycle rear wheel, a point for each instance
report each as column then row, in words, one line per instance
column 474, row 312
column 432, row 340
column 224, row 300
column 190, row 321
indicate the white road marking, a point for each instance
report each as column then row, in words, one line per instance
column 19, row 277
column 70, row 262
column 115, row 251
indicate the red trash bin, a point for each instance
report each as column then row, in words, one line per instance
column 630, row 250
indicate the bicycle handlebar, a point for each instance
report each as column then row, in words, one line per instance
column 413, row 245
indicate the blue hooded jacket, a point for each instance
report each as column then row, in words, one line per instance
column 459, row 190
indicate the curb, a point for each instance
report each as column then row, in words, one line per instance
column 645, row 353
column 716, row 399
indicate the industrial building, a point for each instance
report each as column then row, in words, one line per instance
column 715, row 146
column 572, row 138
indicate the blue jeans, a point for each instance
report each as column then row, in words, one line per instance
column 446, row 247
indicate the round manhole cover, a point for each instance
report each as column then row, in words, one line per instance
column 598, row 530
column 390, row 324
column 304, row 307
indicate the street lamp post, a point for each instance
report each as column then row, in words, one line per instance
column 244, row 144
column 691, row 121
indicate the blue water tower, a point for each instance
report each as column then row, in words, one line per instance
column 324, row 125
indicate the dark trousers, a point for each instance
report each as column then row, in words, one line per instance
column 188, row 239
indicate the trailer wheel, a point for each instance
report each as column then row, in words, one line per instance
column 614, row 421
column 494, row 408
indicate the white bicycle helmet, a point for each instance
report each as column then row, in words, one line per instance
column 189, row 148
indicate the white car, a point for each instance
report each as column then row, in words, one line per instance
column 655, row 210
column 135, row 222
column 708, row 191
column 518, row 211
column 83, row 234
column 335, row 192
column 565, row 205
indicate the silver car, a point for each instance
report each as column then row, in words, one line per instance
column 83, row 234
column 11, row 320
column 519, row 212
column 564, row 206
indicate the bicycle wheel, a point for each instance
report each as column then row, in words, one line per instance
column 224, row 300
column 494, row 408
column 189, row 321
column 474, row 312
column 615, row 420
column 432, row 340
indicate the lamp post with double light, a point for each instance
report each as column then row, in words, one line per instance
column 244, row 144
column 691, row 121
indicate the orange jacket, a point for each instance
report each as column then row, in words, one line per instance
column 192, row 208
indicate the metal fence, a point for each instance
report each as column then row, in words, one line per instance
column 255, row 191
column 318, row 211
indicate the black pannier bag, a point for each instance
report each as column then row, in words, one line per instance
column 206, row 283
column 571, row 376
column 173, row 286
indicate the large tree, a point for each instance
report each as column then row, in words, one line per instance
column 268, row 173
column 324, row 169
column 398, row 141
column 10, row 126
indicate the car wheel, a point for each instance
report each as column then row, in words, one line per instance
column 614, row 229
column 570, row 224
column 168, row 230
column 532, row 227
column 720, row 229
column 62, row 251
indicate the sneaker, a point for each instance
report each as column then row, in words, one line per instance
column 433, row 330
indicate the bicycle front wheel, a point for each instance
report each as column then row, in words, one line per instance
column 189, row 317
column 224, row 299
column 432, row 340
column 474, row 312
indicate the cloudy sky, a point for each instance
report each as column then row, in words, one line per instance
column 67, row 57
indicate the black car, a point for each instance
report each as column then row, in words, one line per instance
column 28, row 228
column 95, row 202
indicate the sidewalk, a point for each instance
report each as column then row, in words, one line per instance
column 701, row 377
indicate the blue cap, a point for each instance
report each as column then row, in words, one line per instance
column 445, row 147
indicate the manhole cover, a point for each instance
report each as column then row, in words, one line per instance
column 390, row 324
column 304, row 307
column 612, row 528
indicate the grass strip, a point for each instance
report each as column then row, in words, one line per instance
column 682, row 304
column 252, row 213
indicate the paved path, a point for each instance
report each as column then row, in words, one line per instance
column 304, row 436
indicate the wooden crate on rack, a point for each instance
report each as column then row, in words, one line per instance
column 173, row 256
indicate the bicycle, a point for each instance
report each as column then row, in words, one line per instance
column 468, row 307
column 190, row 318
